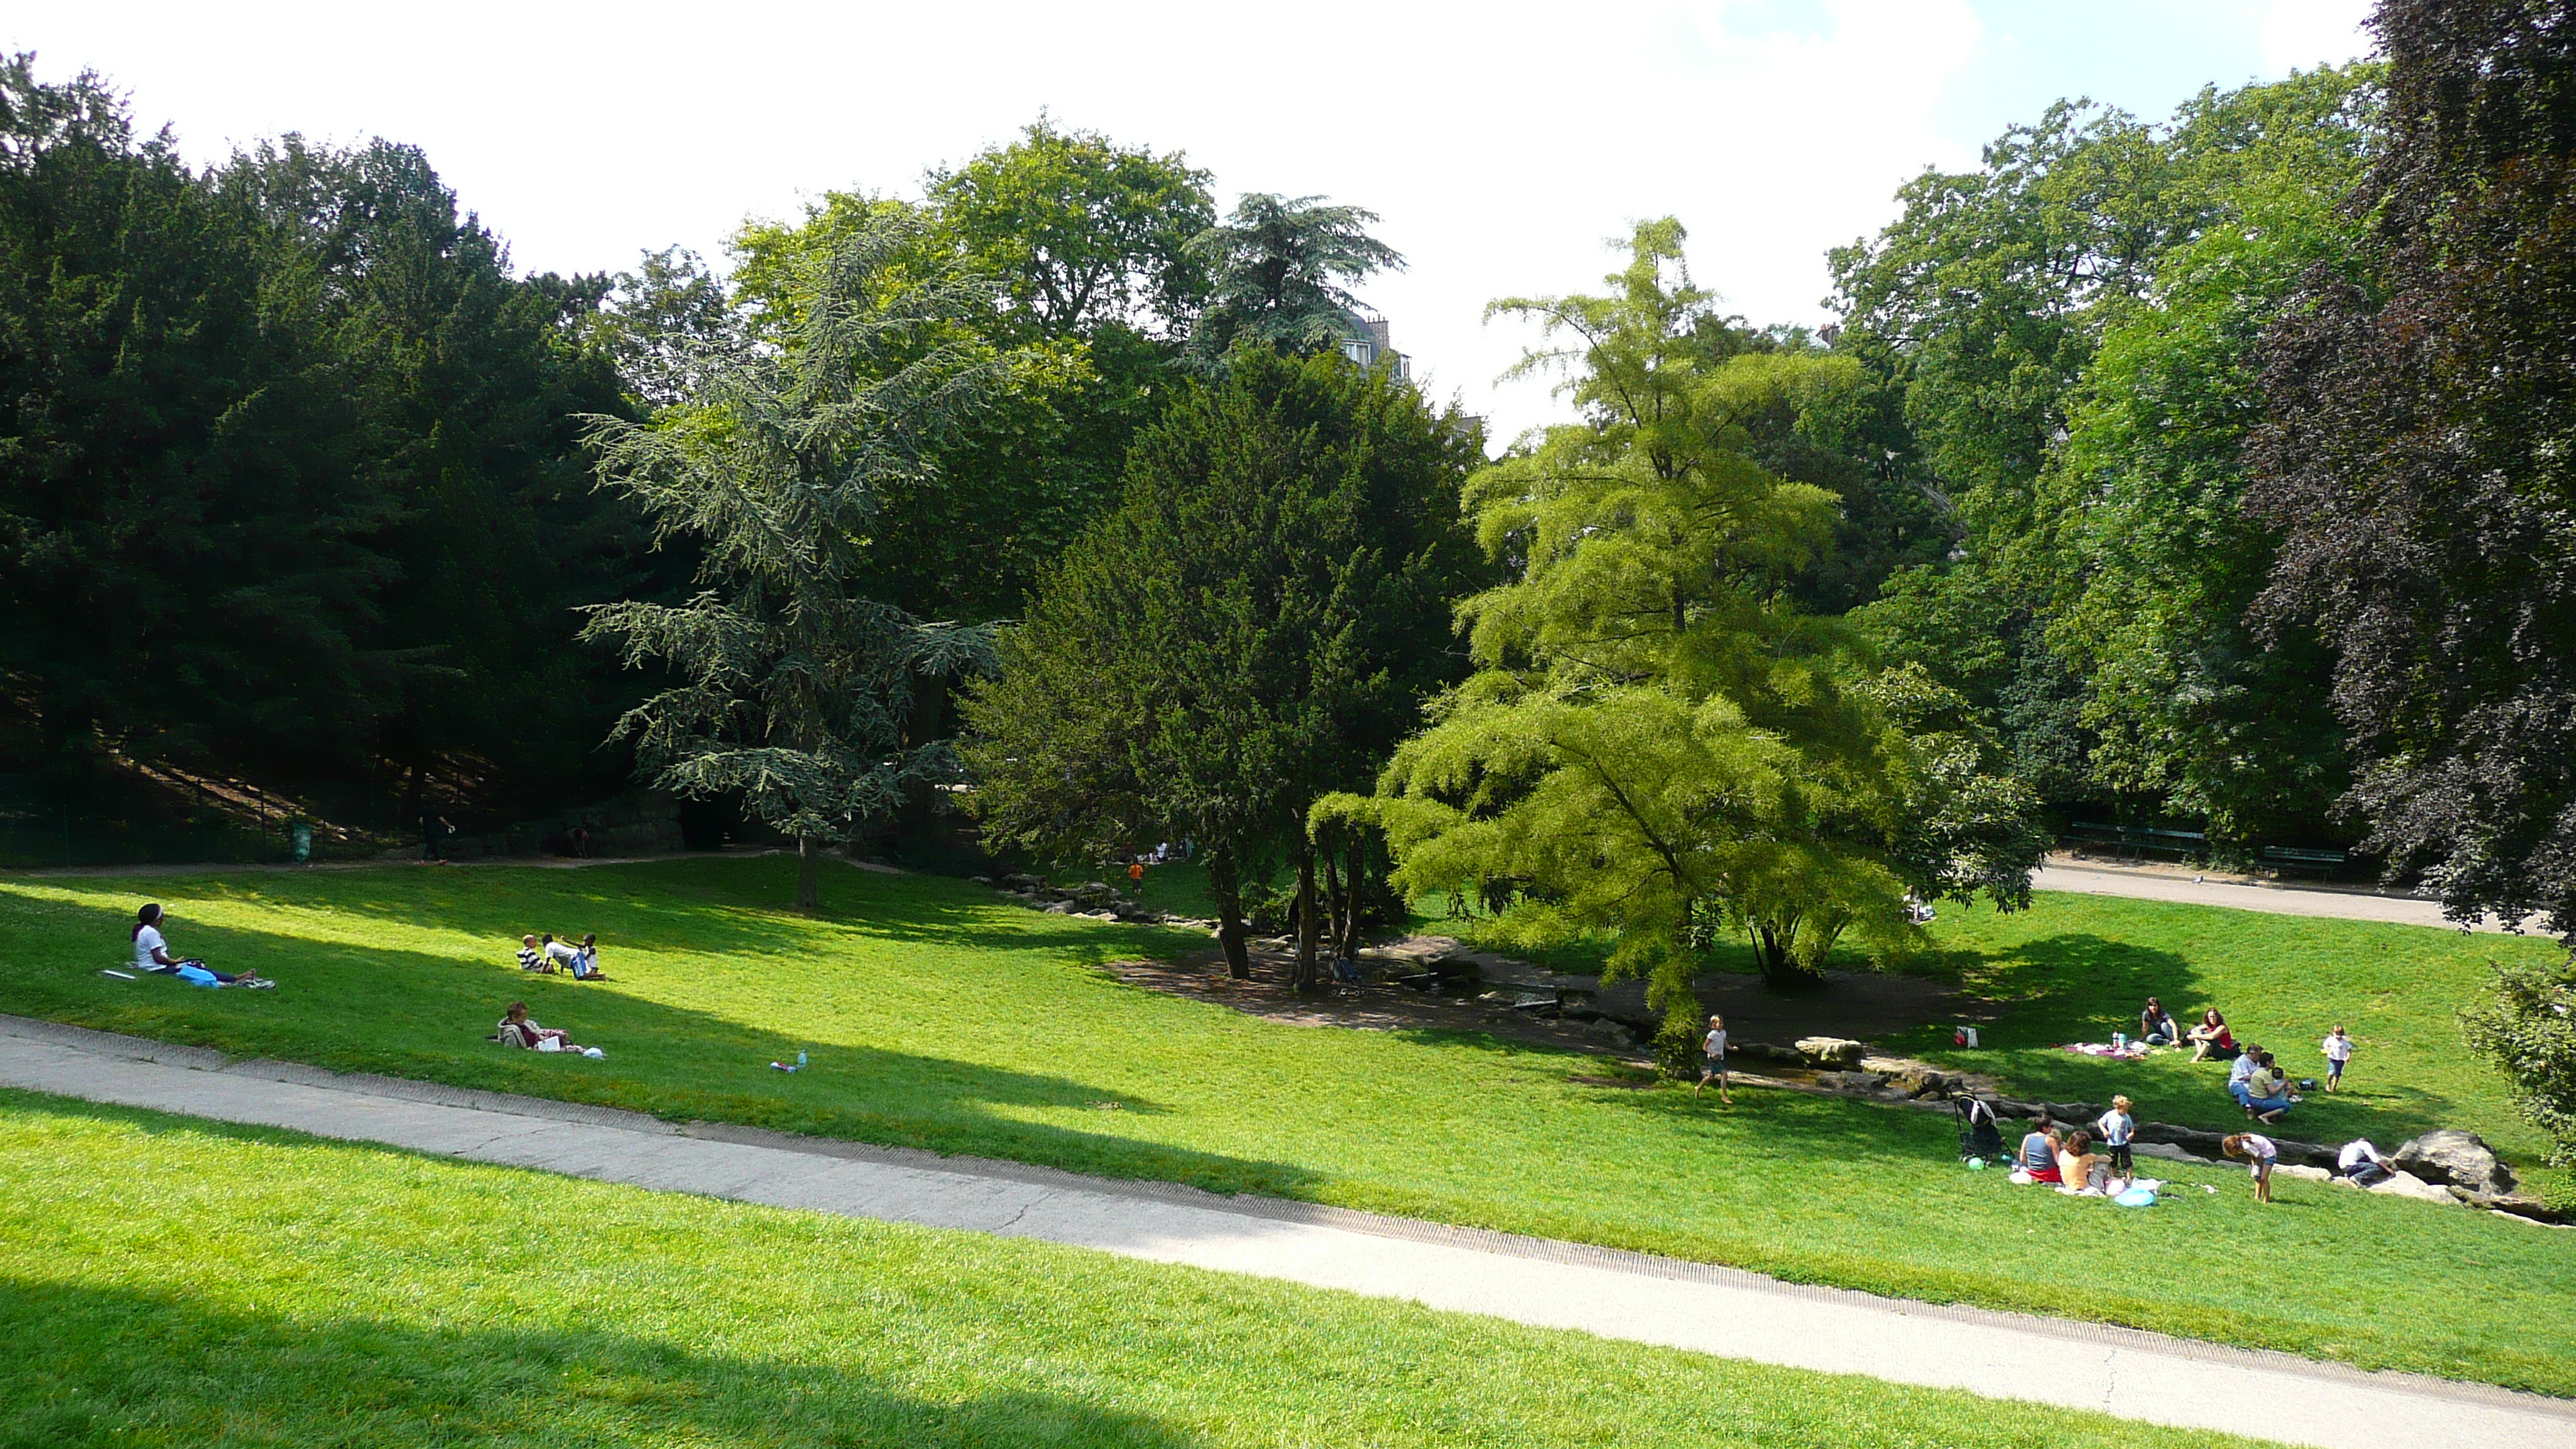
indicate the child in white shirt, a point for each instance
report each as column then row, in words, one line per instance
column 1713, row 1060
column 2338, row 1050
column 2117, row 1127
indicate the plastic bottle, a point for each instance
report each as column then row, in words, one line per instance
column 800, row 1059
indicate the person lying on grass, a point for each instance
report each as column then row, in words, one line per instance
column 152, row 954
column 2211, row 1036
column 518, row 1031
column 2260, row 1153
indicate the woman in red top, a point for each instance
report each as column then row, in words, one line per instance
column 2213, row 1036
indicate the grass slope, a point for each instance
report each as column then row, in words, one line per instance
column 166, row 1283
column 938, row 1017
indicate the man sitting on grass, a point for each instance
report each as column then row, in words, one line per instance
column 2242, row 1072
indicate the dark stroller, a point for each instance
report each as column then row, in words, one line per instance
column 1979, row 1134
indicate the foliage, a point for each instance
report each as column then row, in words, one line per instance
column 939, row 1016
column 2071, row 329
column 796, row 678
column 2524, row 1027
column 1251, row 631
column 292, row 479
column 2419, row 465
column 1656, row 733
column 1277, row 273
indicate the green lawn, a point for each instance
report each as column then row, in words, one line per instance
column 939, row 1017
column 168, row 1283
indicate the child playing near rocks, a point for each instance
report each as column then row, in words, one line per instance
column 1713, row 1060
column 2338, row 1050
column 2259, row 1154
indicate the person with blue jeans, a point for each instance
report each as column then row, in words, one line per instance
column 2243, row 1072
column 2267, row 1092
column 2156, row 1025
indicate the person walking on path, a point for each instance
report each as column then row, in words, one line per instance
column 2338, row 1050
column 1713, row 1060
column 2259, row 1153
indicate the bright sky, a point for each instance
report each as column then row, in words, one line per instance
column 1501, row 144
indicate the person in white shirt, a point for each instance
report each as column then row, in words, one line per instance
column 1713, row 1060
column 2361, row 1162
column 2259, row 1154
column 2338, row 1050
column 152, row 953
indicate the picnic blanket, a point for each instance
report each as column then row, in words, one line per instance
column 2134, row 1051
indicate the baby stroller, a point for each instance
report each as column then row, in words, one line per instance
column 1979, row 1134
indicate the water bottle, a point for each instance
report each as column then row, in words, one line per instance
column 2119, row 1040
column 800, row 1060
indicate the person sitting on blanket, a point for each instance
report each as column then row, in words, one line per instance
column 2156, row 1025
column 2039, row 1153
column 2211, row 1036
column 2075, row 1161
column 517, row 1031
column 152, row 954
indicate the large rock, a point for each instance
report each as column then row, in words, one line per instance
column 1831, row 1051
column 2459, row 1159
column 2405, row 1184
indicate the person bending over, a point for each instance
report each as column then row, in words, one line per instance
column 2361, row 1162
column 152, row 954
column 2259, row 1154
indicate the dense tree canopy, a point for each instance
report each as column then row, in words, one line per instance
column 2420, row 464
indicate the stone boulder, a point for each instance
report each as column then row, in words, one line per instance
column 1831, row 1051
column 2402, row 1184
column 1850, row 1081
column 2456, row 1159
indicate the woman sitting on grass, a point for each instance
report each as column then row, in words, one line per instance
column 2156, row 1025
column 152, row 955
column 2211, row 1035
column 2075, row 1162
column 2267, row 1092
column 2260, row 1153
column 2039, row 1153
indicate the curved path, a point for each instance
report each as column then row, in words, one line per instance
column 2095, row 879
column 1527, row 1280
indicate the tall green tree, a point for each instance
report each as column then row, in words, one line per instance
column 796, row 677
column 2419, row 464
column 1658, row 740
column 1279, row 273
column 1250, row 632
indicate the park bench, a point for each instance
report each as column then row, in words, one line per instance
column 2140, row 839
column 2323, row 862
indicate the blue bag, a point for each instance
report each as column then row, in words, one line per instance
column 198, row 976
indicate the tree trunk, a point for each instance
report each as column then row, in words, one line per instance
column 1780, row 971
column 1306, row 977
column 809, row 871
column 1354, row 871
column 1336, row 907
column 1228, row 890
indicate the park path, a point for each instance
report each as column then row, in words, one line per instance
column 1613, row 1294
column 2149, row 884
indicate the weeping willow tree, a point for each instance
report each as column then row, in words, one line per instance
column 794, row 682
column 1657, row 743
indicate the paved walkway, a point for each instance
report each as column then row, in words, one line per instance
column 1527, row 1280
column 2279, row 900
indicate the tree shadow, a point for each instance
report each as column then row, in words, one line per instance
column 425, row 1016
column 199, row 1374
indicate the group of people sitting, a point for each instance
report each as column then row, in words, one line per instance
column 2259, row 1085
column 549, row 956
column 2094, row 1160
column 152, row 957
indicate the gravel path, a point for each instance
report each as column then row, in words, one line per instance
column 2279, row 900
column 1527, row 1280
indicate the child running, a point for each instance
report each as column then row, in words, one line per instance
column 1713, row 1060
column 2338, row 1050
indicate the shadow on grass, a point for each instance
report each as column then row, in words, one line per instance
column 95, row 1364
column 425, row 1016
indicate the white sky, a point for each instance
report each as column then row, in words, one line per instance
column 1500, row 143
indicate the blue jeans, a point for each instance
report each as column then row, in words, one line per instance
column 2280, row 1103
column 2238, row 1090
